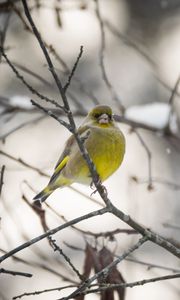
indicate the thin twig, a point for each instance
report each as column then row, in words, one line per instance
column 112, row 91
column 51, row 114
column 22, row 162
column 158, row 180
column 172, row 226
column 125, row 285
column 48, row 59
column 29, row 72
column 167, row 128
column 2, row 178
column 67, row 70
column 53, row 231
column 22, row 125
column 15, row 273
column 73, row 69
column 149, row 156
column 21, row 78
column 152, row 236
column 151, row 266
column 167, row 86
column 67, row 259
column 126, row 40
column 44, row 291
column 107, row 234
column 41, row 266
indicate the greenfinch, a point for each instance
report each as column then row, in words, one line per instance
column 105, row 144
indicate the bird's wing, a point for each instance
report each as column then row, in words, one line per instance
column 71, row 142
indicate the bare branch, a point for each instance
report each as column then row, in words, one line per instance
column 22, row 125
column 128, row 42
column 150, row 185
column 151, row 266
column 53, row 231
column 48, row 59
column 19, row 76
column 171, row 102
column 174, row 226
column 29, row 72
column 2, row 178
column 44, row 291
column 51, row 114
column 67, row 259
column 41, row 266
column 19, row 160
column 113, row 93
column 105, row 270
column 152, row 236
column 124, row 285
column 73, row 69
column 158, row 180
column 15, row 273
column 107, row 234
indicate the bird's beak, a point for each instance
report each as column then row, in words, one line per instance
column 103, row 119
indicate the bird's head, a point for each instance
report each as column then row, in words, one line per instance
column 101, row 115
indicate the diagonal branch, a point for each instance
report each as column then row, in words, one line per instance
column 20, row 77
column 53, row 231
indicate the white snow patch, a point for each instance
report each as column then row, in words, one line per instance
column 21, row 102
column 153, row 114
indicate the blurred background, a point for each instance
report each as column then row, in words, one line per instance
column 131, row 62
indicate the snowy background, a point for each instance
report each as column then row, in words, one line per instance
column 144, row 88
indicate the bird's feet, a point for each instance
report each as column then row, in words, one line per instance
column 37, row 204
column 98, row 187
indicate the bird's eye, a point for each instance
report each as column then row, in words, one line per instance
column 96, row 116
column 110, row 117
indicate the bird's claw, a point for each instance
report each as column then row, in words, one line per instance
column 99, row 184
column 37, row 204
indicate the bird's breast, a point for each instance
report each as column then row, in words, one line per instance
column 106, row 148
column 108, row 151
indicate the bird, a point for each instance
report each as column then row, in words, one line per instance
column 105, row 144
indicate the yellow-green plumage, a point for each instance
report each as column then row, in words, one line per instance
column 105, row 144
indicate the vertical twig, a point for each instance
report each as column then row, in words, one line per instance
column 2, row 178
column 167, row 128
column 113, row 93
column 149, row 157
column 73, row 69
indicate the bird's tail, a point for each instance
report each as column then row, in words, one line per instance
column 43, row 195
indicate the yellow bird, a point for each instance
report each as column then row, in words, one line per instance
column 105, row 144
